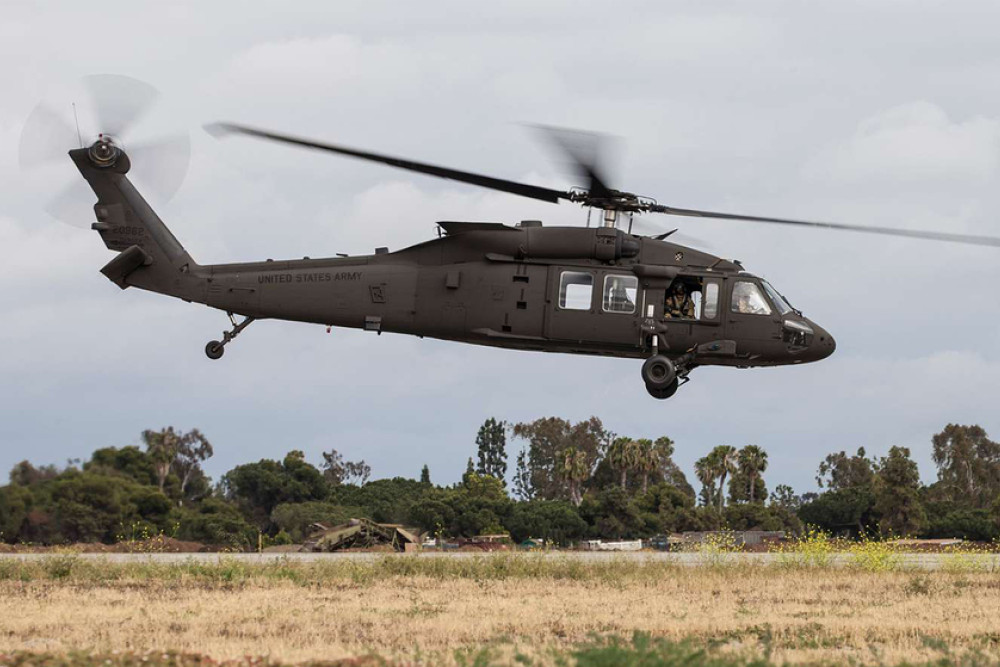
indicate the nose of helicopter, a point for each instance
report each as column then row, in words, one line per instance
column 823, row 343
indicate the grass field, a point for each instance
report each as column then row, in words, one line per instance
column 499, row 609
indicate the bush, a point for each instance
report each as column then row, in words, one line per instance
column 218, row 523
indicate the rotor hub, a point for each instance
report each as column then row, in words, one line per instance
column 104, row 152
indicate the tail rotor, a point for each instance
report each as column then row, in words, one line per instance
column 106, row 112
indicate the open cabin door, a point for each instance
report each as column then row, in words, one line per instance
column 692, row 311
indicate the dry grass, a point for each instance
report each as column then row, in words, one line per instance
column 445, row 611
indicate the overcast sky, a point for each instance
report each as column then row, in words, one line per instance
column 874, row 112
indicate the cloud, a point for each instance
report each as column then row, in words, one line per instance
column 916, row 144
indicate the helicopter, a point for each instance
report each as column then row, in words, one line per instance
column 595, row 290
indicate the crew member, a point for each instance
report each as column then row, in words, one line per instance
column 678, row 304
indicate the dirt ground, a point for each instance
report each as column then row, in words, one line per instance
column 794, row 615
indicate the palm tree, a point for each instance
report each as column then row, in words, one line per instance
column 724, row 459
column 753, row 462
column 704, row 470
column 621, row 456
column 575, row 469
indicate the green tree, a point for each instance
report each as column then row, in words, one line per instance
column 338, row 471
column 704, row 469
column 215, row 522
column 491, row 445
column 130, row 462
column 968, row 465
column 555, row 521
column 746, row 484
column 382, row 500
column 25, row 474
column 785, row 496
column 162, row 448
column 897, row 494
column 840, row 471
column 575, row 467
column 522, row 477
column 647, row 460
column 548, row 438
column 182, row 453
column 260, row 487
column 15, row 504
column 193, row 449
column 718, row 464
column 425, row 475
column 612, row 514
column 622, row 456
column 847, row 510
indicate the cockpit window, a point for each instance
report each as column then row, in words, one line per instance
column 776, row 298
column 748, row 299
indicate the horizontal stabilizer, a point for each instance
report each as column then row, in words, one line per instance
column 127, row 261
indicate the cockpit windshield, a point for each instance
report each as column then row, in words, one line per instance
column 776, row 298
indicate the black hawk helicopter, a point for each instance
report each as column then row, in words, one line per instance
column 599, row 290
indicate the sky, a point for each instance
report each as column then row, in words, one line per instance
column 878, row 112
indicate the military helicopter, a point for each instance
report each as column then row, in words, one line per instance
column 596, row 290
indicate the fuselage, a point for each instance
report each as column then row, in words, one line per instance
column 498, row 285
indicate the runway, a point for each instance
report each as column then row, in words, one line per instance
column 912, row 561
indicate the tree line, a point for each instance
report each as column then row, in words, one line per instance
column 569, row 481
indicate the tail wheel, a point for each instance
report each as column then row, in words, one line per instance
column 658, row 373
column 214, row 349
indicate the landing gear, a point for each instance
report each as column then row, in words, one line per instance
column 665, row 392
column 663, row 376
column 215, row 349
column 658, row 372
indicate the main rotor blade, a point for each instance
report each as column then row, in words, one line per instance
column 586, row 153
column 888, row 231
column 503, row 185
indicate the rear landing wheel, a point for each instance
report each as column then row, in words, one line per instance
column 665, row 392
column 214, row 349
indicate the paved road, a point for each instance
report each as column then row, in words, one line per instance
column 918, row 561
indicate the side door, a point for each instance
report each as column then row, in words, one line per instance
column 573, row 304
column 751, row 320
column 704, row 323
column 620, row 309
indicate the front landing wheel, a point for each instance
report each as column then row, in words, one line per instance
column 214, row 349
column 665, row 392
column 658, row 372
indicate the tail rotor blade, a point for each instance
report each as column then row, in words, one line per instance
column 119, row 102
column 74, row 205
column 161, row 165
column 46, row 137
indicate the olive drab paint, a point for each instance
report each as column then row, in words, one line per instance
column 599, row 291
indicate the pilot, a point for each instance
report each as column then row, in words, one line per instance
column 678, row 303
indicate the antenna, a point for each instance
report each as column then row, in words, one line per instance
column 79, row 137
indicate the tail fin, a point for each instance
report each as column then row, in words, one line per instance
column 150, row 256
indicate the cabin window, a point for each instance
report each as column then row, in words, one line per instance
column 711, row 306
column 619, row 294
column 748, row 299
column 576, row 290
